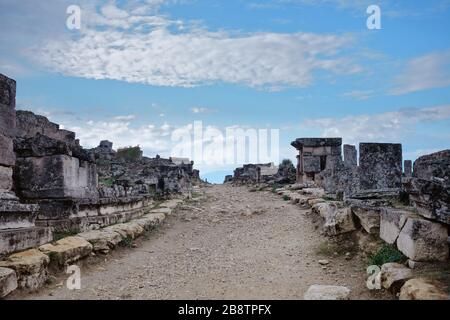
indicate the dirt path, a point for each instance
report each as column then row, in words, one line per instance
column 236, row 244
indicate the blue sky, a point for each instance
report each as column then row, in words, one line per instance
column 138, row 70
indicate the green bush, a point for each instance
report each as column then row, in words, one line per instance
column 130, row 153
column 387, row 253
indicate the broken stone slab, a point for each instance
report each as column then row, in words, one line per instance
column 422, row 289
column 314, row 201
column 368, row 217
column 392, row 222
column 102, row 240
column 335, row 220
column 423, row 240
column 315, row 192
column 171, row 204
column 66, row 251
column 166, row 211
column 30, row 267
column 323, row 292
column 8, row 281
column 151, row 220
column 394, row 275
column 127, row 230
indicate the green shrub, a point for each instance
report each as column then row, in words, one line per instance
column 126, row 242
column 130, row 153
column 387, row 253
column 286, row 198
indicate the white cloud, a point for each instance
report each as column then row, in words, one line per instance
column 153, row 139
column 385, row 127
column 425, row 72
column 141, row 46
column 198, row 110
column 359, row 94
column 125, row 118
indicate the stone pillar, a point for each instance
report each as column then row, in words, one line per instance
column 7, row 128
column 350, row 156
column 380, row 166
column 408, row 168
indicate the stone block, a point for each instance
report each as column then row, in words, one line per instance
column 433, row 165
column 30, row 267
column 311, row 164
column 150, row 221
column 407, row 168
column 7, row 156
column 7, row 121
column 381, row 166
column 166, row 211
column 391, row 223
column 8, row 281
column 368, row 217
column 323, row 292
column 102, row 240
column 350, row 156
column 13, row 240
column 422, row 289
column 394, row 275
column 423, row 240
column 67, row 251
column 127, row 230
column 7, row 91
column 6, row 181
column 15, row 215
column 336, row 220
column 59, row 176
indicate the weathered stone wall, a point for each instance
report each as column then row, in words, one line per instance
column 17, row 220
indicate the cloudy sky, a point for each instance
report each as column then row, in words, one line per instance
column 138, row 71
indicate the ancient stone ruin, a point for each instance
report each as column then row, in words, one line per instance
column 267, row 173
column 50, row 184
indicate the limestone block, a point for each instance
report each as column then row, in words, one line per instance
column 335, row 220
column 127, row 230
column 423, row 240
column 172, row 204
column 407, row 167
column 66, row 251
column 381, row 166
column 59, row 176
column 166, row 211
column 6, row 178
column 369, row 218
column 8, row 281
column 394, row 275
column 311, row 164
column 422, row 289
column 102, row 240
column 13, row 240
column 150, row 220
column 7, row 156
column 7, row 91
column 30, row 267
column 391, row 223
column 350, row 156
column 15, row 215
column 322, row 292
